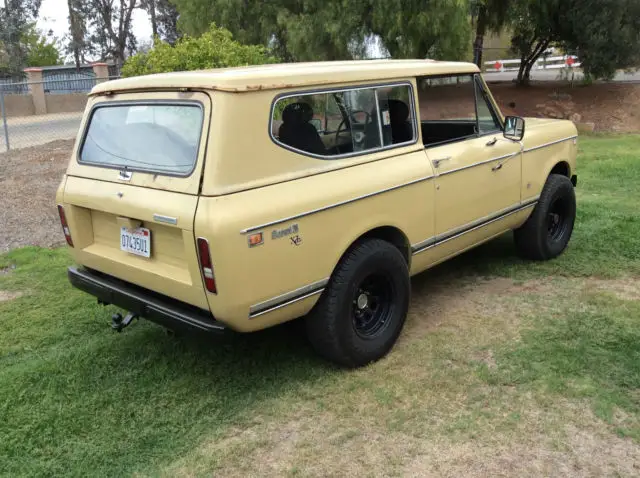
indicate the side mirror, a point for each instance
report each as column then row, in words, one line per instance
column 514, row 128
column 317, row 124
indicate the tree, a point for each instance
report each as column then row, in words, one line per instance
column 40, row 50
column 77, row 43
column 216, row 48
column 490, row 16
column 164, row 19
column 15, row 19
column 112, row 36
column 422, row 28
column 604, row 33
column 337, row 29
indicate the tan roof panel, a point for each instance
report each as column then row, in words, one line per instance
column 287, row 75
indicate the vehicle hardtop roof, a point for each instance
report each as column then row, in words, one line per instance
column 287, row 75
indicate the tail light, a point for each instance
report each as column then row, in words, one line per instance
column 65, row 225
column 205, row 265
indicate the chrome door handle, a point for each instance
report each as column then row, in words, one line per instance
column 498, row 166
column 492, row 142
column 436, row 162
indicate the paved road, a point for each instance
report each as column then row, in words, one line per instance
column 35, row 130
column 554, row 75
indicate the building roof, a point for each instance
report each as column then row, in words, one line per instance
column 288, row 75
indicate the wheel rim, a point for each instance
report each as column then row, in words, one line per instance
column 372, row 305
column 558, row 219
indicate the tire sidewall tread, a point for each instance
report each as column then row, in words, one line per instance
column 330, row 327
column 531, row 238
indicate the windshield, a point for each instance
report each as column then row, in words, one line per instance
column 160, row 138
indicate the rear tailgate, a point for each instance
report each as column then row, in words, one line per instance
column 104, row 201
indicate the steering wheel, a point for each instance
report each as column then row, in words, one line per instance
column 343, row 123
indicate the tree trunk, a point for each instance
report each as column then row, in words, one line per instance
column 152, row 14
column 478, row 43
column 527, row 70
column 527, row 62
column 520, row 77
column 73, row 27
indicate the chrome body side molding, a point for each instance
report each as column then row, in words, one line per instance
column 472, row 226
column 334, row 205
column 287, row 298
column 540, row 146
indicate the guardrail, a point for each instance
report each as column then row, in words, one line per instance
column 542, row 63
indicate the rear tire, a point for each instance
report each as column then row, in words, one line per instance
column 546, row 233
column 361, row 312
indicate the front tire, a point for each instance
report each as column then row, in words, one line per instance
column 361, row 312
column 546, row 233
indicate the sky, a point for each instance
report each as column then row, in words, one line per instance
column 54, row 13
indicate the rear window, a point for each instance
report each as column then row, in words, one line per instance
column 160, row 138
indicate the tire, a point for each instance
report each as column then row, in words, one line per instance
column 547, row 231
column 361, row 312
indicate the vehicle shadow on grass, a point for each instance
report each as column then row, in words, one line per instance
column 496, row 257
column 285, row 350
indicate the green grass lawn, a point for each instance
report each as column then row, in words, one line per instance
column 497, row 353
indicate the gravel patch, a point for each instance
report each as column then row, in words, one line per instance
column 29, row 178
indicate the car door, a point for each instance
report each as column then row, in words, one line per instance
column 478, row 171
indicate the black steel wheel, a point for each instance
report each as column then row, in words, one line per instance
column 361, row 312
column 373, row 305
column 558, row 219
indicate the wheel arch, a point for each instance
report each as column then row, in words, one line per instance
column 561, row 167
column 390, row 234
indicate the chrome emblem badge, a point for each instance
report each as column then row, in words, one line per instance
column 279, row 233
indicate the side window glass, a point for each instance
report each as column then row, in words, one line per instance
column 344, row 122
column 396, row 114
column 360, row 125
column 298, row 122
column 488, row 121
column 447, row 108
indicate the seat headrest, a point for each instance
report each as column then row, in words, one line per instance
column 398, row 111
column 297, row 113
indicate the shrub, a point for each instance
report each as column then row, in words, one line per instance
column 216, row 48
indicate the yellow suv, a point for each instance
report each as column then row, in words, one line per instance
column 243, row 198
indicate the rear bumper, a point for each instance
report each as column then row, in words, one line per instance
column 163, row 310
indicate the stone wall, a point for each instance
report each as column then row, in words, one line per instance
column 38, row 102
column 66, row 103
column 19, row 105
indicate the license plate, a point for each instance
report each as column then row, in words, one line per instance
column 136, row 241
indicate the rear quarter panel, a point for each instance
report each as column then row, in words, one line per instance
column 249, row 275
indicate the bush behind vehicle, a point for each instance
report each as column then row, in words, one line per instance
column 216, row 48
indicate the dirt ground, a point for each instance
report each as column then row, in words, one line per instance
column 604, row 107
column 29, row 177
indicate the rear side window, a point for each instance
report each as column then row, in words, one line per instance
column 161, row 138
column 345, row 122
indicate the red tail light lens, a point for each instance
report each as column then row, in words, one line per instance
column 205, row 265
column 65, row 226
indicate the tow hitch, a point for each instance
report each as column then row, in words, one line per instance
column 118, row 322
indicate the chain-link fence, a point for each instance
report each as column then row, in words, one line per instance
column 37, row 112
